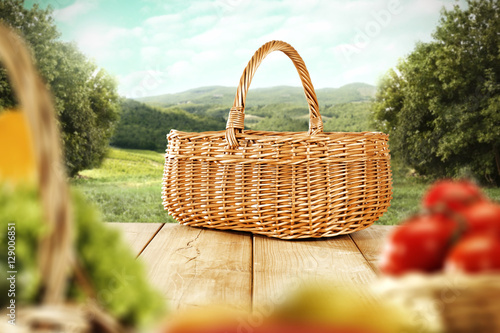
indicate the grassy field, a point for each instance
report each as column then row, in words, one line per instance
column 127, row 188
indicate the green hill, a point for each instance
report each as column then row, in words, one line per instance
column 217, row 95
column 144, row 124
column 145, row 127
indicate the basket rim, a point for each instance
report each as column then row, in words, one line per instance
column 267, row 147
column 253, row 134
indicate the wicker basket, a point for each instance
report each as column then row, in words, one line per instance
column 280, row 184
column 447, row 303
column 56, row 257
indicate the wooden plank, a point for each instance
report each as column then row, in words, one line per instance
column 281, row 266
column 137, row 235
column 197, row 267
column 370, row 242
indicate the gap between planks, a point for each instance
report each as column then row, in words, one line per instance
column 282, row 266
column 196, row 267
column 370, row 242
column 373, row 267
column 149, row 241
column 138, row 235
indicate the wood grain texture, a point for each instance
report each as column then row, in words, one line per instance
column 196, row 267
column 281, row 266
column 137, row 235
column 370, row 242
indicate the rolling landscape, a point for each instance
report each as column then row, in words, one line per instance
column 145, row 122
column 127, row 186
column 354, row 92
column 408, row 101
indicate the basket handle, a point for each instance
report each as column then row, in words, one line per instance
column 55, row 248
column 235, row 122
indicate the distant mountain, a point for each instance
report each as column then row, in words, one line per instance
column 145, row 122
column 218, row 95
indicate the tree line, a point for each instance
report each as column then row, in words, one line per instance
column 145, row 127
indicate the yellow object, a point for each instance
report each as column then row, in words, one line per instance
column 17, row 160
column 344, row 305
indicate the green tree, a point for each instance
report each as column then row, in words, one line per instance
column 145, row 127
column 282, row 123
column 347, row 117
column 85, row 96
column 442, row 104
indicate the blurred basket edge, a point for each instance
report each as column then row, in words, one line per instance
column 56, row 253
column 446, row 302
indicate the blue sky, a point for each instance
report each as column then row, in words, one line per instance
column 154, row 47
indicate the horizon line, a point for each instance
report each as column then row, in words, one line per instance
column 256, row 88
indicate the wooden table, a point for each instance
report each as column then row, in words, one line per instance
column 196, row 267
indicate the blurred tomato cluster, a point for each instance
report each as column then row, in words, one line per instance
column 457, row 231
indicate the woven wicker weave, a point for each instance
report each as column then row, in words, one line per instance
column 280, row 184
column 447, row 303
column 56, row 258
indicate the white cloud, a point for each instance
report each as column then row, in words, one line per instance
column 173, row 55
column 210, row 42
column 216, row 37
column 150, row 52
column 142, row 83
column 180, row 69
column 357, row 74
column 430, row 6
column 203, row 21
column 116, row 49
column 163, row 20
column 207, row 57
column 69, row 13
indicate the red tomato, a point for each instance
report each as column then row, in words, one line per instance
column 451, row 195
column 418, row 245
column 474, row 254
column 483, row 217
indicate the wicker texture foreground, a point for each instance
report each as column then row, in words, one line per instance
column 445, row 302
column 280, row 184
column 57, row 260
